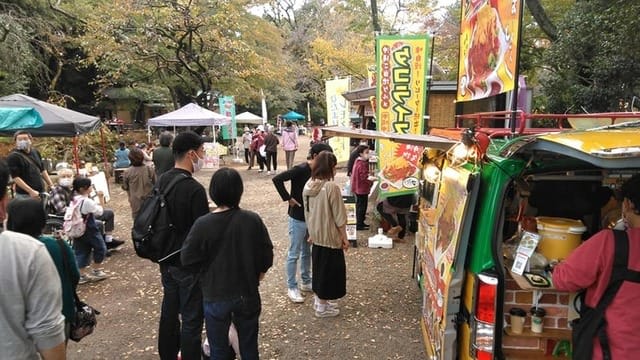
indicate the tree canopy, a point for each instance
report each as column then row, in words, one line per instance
column 593, row 64
column 575, row 53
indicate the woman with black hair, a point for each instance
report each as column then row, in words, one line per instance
column 232, row 260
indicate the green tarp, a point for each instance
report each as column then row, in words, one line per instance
column 12, row 119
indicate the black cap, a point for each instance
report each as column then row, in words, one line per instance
column 318, row 148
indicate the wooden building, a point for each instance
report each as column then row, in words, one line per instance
column 441, row 104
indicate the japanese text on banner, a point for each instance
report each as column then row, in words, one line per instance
column 338, row 110
column 401, row 91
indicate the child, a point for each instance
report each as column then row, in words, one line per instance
column 361, row 185
column 91, row 240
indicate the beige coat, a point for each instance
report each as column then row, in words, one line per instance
column 138, row 182
column 324, row 212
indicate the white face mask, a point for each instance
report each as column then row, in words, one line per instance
column 65, row 182
column 23, row 144
column 198, row 164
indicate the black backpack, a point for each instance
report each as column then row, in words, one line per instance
column 592, row 323
column 153, row 232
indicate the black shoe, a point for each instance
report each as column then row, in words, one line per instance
column 114, row 244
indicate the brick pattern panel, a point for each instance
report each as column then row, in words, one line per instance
column 555, row 303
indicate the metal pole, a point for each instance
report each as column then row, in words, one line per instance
column 425, row 125
column 514, row 95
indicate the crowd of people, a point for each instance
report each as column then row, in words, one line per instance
column 193, row 291
column 213, row 281
column 261, row 146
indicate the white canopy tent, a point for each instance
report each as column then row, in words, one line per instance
column 248, row 118
column 190, row 115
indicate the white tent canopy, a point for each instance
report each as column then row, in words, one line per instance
column 190, row 115
column 248, row 118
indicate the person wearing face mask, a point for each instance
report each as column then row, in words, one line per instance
column 361, row 185
column 181, row 315
column 26, row 168
column 61, row 196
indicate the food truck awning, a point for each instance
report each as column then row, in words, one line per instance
column 431, row 141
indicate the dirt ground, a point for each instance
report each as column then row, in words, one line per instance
column 379, row 317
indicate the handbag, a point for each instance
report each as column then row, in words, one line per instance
column 263, row 150
column 84, row 321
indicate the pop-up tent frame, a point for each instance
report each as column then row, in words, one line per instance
column 57, row 121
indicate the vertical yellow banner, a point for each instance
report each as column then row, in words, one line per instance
column 488, row 48
column 400, row 103
column 338, row 115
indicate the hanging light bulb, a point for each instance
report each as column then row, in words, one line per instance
column 459, row 153
column 431, row 173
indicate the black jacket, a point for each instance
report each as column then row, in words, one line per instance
column 187, row 201
column 298, row 175
column 231, row 258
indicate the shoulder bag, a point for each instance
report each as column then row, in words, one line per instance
column 85, row 320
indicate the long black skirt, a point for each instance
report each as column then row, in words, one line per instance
column 329, row 273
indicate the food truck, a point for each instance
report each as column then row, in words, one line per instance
column 495, row 208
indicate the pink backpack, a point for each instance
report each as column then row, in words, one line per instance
column 74, row 223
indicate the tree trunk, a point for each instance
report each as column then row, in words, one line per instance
column 536, row 9
column 374, row 17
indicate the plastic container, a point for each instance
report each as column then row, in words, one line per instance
column 559, row 236
column 537, row 319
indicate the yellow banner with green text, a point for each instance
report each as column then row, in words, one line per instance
column 400, row 103
column 338, row 115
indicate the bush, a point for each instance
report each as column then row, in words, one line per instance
column 89, row 147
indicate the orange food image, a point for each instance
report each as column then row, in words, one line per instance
column 399, row 169
column 485, row 47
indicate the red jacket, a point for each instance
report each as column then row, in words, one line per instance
column 256, row 141
column 360, row 184
column 589, row 267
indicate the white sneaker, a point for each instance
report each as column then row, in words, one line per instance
column 330, row 303
column 97, row 275
column 328, row 311
column 295, row 296
column 268, row 172
column 305, row 287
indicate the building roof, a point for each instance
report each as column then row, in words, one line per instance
column 363, row 94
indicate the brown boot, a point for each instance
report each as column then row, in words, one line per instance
column 394, row 231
